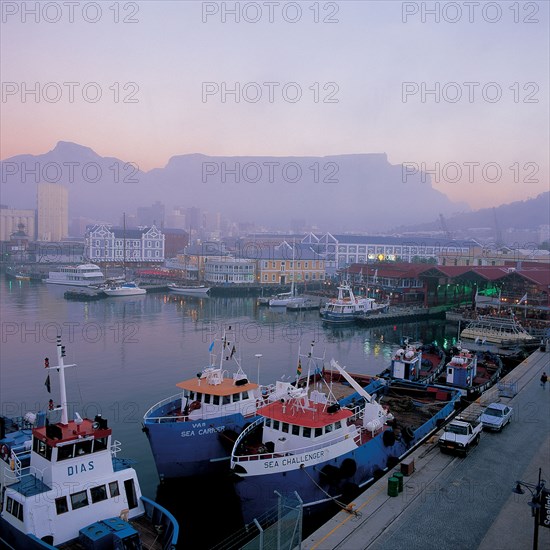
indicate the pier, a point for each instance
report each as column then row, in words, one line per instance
column 452, row 502
column 401, row 315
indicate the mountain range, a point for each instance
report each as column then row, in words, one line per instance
column 361, row 192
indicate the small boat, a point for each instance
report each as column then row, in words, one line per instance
column 284, row 299
column 17, row 273
column 192, row 432
column 415, row 362
column 327, row 451
column 503, row 332
column 199, row 290
column 347, row 307
column 66, row 487
column 471, row 372
column 80, row 275
column 125, row 288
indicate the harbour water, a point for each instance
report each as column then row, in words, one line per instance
column 131, row 351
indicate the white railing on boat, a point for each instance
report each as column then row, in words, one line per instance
column 290, row 452
column 165, row 401
column 116, row 447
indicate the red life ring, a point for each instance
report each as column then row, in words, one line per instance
column 5, row 453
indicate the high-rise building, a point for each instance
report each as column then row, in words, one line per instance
column 53, row 212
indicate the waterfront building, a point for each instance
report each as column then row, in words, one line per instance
column 229, row 270
column 130, row 246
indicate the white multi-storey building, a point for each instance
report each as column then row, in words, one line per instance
column 114, row 244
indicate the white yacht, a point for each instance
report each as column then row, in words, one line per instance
column 80, row 275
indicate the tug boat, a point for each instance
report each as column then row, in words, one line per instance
column 192, row 433
column 415, row 362
column 471, row 372
column 63, row 486
column 305, row 442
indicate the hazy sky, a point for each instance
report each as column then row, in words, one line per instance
column 364, row 70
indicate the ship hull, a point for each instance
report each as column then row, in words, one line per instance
column 339, row 478
column 194, row 447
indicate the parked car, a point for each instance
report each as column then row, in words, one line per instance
column 496, row 416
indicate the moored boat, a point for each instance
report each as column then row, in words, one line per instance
column 347, row 307
column 124, row 288
column 471, row 372
column 190, row 290
column 80, row 275
column 415, row 362
column 325, row 450
column 192, row 432
column 68, row 489
column 504, row 332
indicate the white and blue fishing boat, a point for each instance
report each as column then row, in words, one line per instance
column 192, row 433
column 63, row 486
column 347, row 307
column 327, row 451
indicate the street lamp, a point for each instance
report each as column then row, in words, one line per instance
column 258, row 356
column 535, row 504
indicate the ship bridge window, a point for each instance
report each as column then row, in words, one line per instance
column 61, row 505
column 100, row 444
column 245, row 394
column 338, row 425
column 307, row 432
column 41, row 448
column 83, row 447
column 207, row 397
column 329, row 428
column 295, row 429
column 114, row 491
column 226, row 400
column 276, row 425
column 216, row 399
column 79, row 500
column 285, row 427
column 98, row 493
column 14, row 508
column 236, row 397
column 318, row 432
column 64, row 452
column 268, row 422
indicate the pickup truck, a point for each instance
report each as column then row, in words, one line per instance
column 460, row 435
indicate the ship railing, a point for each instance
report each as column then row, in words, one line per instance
column 147, row 416
column 292, row 452
column 15, row 472
column 116, row 447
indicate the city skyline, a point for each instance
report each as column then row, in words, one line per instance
column 450, row 93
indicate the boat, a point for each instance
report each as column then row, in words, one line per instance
column 68, row 488
column 347, row 307
column 192, row 432
column 199, row 290
column 284, row 299
column 503, row 332
column 416, row 362
column 124, row 288
column 17, row 273
column 471, row 372
column 327, row 451
column 80, row 275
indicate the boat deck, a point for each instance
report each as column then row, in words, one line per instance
column 149, row 536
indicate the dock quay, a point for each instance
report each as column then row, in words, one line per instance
column 456, row 503
column 401, row 315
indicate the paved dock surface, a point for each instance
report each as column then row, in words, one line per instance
column 455, row 503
